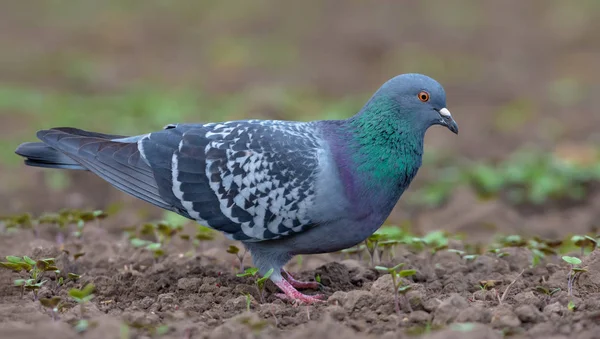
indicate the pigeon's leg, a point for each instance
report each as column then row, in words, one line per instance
column 294, row 296
column 300, row 284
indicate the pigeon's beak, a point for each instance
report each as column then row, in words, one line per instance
column 446, row 120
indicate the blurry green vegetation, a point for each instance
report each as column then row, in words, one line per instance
column 526, row 177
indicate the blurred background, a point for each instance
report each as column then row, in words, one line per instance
column 521, row 79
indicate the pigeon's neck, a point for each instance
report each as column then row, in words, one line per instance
column 381, row 154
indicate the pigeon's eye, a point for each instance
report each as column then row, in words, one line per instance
column 423, row 96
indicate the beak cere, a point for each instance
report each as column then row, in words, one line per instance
column 448, row 121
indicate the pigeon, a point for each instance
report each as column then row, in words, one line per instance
column 282, row 188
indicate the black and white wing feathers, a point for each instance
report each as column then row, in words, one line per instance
column 253, row 180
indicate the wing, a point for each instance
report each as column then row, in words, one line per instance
column 253, row 180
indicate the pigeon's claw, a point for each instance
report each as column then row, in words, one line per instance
column 301, row 284
column 292, row 294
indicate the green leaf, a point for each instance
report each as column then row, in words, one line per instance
column 73, row 276
column 11, row 266
column 20, row 282
column 572, row 260
column 382, row 268
column 470, row 256
column 14, row 260
column 262, row 280
column 41, row 265
column 50, row 302
column 404, row 289
column 571, row 306
column 407, row 273
column 250, row 271
column 155, row 246
column 459, row 252
column 82, row 325
column 136, row 242
column 233, row 249
column 162, row 330
column 29, row 260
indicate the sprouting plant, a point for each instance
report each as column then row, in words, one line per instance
column 582, row 242
column 52, row 305
column 259, row 282
column 371, row 244
column 154, row 247
column 463, row 254
column 435, row 241
column 35, row 272
column 398, row 285
column 203, row 234
column 574, row 272
column 82, row 296
column 318, row 278
column 248, row 301
column 240, row 256
column 22, row 221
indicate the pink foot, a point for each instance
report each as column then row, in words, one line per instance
column 300, row 284
column 291, row 294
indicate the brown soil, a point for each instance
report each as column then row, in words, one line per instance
column 199, row 296
column 491, row 56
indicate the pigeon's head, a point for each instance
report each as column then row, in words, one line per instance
column 420, row 101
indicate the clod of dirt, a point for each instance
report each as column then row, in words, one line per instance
column 529, row 314
column 529, row 298
column 242, row 326
column 449, row 309
column 356, row 300
column 555, row 311
column 141, row 319
column 589, row 282
column 335, row 274
column 476, row 313
column 419, row 317
column 503, row 317
column 189, row 284
column 487, row 264
column 336, row 312
column 103, row 327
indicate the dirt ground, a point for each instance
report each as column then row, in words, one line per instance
column 517, row 74
column 199, row 296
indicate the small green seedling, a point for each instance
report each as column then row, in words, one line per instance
column 583, row 242
column 399, row 287
column 435, row 241
column 203, row 234
column 240, row 256
column 463, row 254
column 259, row 282
column 22, row 221
column 248, row 301
column 546, row 291
column 35, row 269
column 82, row 296
column 52, row 305
column 575, row 271
column 154, row 247
column 371, row 244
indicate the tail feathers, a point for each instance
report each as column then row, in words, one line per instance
column 38, row 154
column 119, row 163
